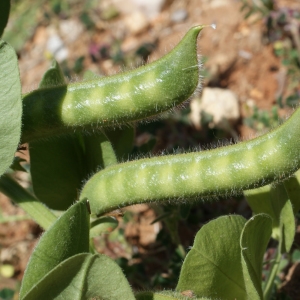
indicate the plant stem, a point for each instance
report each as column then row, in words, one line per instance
column 8, row 219
column 38, row 211
column 273, row 272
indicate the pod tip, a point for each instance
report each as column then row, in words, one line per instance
column 213, row 25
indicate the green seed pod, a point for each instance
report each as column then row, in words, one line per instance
column 222, row 171
column 110, row 101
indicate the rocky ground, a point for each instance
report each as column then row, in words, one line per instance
column 240, row 70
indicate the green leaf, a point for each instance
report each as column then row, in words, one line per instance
column 292, row 186
column 166, row 295
column 253, row 247
column 103, row 225
column 68, row 236
column 122, row 141
column 7, row 294
column 83, row 276
column 99, row 152
column 4, row 13
column 10, row 105
column 38, row 211
column 53, row 77
column 56, row 165
column 274, row 201
column 213, row 267
column 56, row 171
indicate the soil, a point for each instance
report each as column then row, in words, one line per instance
column 238, row 58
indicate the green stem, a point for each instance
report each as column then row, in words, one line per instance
column 273, row 272
column 8, row 219
column 38, row 211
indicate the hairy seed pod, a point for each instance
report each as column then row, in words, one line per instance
column 222, row 171
column 110, row 101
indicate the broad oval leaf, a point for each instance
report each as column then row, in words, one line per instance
column 10, row 105
column 68, row 236
column 56, row 171
column 56, row 167
column 99, row 152
column 213, row 267
column 254, row 240
column 83, row 276
column 273, row 200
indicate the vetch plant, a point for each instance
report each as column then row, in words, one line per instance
column 68, row 130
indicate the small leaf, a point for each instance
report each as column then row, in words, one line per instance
column 253, row 247
column 56, row 171
column 7, row 294
column 83, row 276
column 68, row 236
column 10, row 105
column 53, row 77
column 213, row 267
column 103, row 225
column 4, row 13
column 99, row 152
column 274, row 201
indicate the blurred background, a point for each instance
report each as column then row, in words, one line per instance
column 251, row 72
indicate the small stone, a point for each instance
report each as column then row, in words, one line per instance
column 245, row 54
column 150, row 8
column 70, row 30
column 136, row 22
column 221, row 104
column 218, row 3
column 179, row 15
column 256, row 94
column 218, row 64
column 57, row 48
